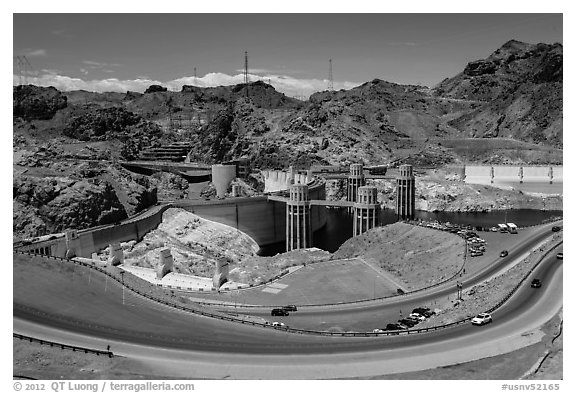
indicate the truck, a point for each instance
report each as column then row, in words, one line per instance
column 512, row 228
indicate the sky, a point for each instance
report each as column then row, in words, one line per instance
column 120, row 52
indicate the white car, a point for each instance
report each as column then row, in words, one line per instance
column 482, row 319
column 278, row 324
column 417, row 316
column 377, row 331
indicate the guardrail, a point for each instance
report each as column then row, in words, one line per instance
column 74, row 348
column 285, row 328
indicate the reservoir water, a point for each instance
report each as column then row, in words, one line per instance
column 338, row 226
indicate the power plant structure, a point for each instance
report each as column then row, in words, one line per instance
column 365, row 210
column 405, row 193
column 298, row 224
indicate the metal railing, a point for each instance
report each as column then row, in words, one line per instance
column 73, row 348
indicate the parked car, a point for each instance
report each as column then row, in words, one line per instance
column 290, row 307
column 555, row 229
column 279, row 312
column 425, row 311
column 513, row 231
column 377, row 331
column 395, row 326
column 476, row 253
column 278, row 324
column 417, row 316
column 504, row 254
column 536, row 283
column 493, row 229
column 408, row 322
column 482, row 319
column 560, row 255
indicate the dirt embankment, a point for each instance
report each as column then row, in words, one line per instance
column 417, row 257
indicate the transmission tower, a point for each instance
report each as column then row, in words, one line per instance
column 246, row 67
column 23, row 68
column 330, row 78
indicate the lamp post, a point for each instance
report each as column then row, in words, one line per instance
column 122, row 275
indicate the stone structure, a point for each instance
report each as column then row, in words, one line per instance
column 221, row 274
column 356, row 180
column 166, row 263
column 298, row 222
column 72, row 243
column 222, row 175
column 405, row 193
column 365, row 210
column 116, row 256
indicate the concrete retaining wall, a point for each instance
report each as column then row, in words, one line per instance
column 482, row 174
column 96, row 239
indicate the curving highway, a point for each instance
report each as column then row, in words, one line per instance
column 179, row 344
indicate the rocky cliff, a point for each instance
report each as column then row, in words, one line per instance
column 519, row 91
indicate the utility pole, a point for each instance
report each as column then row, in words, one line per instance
column 195, row 78
column 246, row 67
column 330, row 77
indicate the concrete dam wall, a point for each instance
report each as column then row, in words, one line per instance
column 261, row 219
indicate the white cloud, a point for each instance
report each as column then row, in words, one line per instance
column 282, row 83
column 33, row 52
column 96, row 64
column 403, row 43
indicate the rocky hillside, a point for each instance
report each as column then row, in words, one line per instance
column 519, row 88
column 37, row 103
column 503, row 109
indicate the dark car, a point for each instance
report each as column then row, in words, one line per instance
column 504, row 254
column 536, row 283
column 290, row 307
column 555, row 229
column 394, row 326
column 424, row 311
column 279, row 311
column 408, row 322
